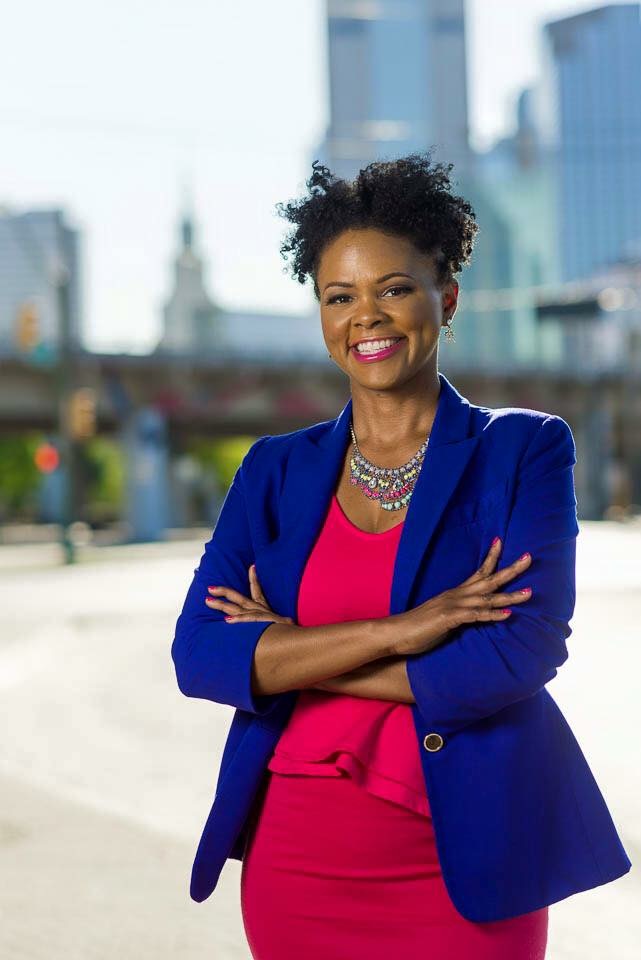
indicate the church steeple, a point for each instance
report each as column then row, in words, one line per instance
column 187, row 220
column 187, row 229
column 189, row 314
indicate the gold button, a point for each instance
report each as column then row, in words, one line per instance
column 432, row 742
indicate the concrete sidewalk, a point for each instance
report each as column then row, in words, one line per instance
column 107, row 772
column 80, row 884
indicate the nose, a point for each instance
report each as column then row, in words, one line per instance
column 369, row 324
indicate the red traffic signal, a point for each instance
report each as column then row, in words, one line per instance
column 46, row 458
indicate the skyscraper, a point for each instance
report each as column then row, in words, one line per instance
column 592, row 120
column 397, row 82
column 33, row 246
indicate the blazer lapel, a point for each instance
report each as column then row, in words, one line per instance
column 312, row 474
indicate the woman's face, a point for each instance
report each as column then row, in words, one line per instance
column 376, row 286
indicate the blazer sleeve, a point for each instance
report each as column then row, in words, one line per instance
column 213, row 659
column 485, row 666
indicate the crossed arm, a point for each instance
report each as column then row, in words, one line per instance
column 483, row 668
column 384, row 679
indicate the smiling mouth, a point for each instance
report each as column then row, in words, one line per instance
column 370, row 348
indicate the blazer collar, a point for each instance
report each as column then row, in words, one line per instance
column 312, row 474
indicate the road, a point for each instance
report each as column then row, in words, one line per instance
column 107, row 771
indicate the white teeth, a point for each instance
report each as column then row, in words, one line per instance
column 374, row 346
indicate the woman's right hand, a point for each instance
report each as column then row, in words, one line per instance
column 426, row 626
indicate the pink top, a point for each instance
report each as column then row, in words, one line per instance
column 348, row 576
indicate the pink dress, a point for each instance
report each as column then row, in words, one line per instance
column 330, row 734
column 341, row 861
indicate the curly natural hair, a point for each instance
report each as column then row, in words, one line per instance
column 408, row 197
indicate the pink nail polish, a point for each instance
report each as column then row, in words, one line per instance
column 496, row 540
column 506, row 610
column 524, row 556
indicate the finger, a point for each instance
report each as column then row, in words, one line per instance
column 230, row 594
column 488, row 583
column 495, row 599
column 492, row 555
column 499, row 577
column 483, row 613
column 254, row 585
column 489, row 562
column 493, row 613
column 515, row 596
column 219, row 603
column 254, row 617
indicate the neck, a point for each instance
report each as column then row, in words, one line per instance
column 394, row 421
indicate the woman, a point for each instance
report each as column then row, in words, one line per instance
column 384, row 597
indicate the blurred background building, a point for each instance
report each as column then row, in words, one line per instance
column 34, row 245
column 397, row 75
column 593, row 65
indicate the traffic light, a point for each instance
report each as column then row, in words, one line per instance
column 27, row 328
column 82, row 413
column 46, row 458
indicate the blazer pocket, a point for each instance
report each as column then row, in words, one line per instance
column 476, row 509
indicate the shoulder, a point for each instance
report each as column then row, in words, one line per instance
column 276, row 447
column 520, row 426
column 529, row 441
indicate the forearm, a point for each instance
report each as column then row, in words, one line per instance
column 290, row 657
column 384, row 679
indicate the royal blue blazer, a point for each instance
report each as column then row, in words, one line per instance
column 519, row 820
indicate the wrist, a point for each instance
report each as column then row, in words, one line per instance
column 386, row 632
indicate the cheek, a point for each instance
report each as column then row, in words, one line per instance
column 422, row 319
column 423, row 339
column 331, row 330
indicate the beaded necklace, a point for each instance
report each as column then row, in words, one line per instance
column 391, row 486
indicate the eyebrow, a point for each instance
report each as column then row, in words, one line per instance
column 386, row 276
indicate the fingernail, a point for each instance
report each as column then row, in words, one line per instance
column 506, row 611
column 524, row 556
column 526, row 590
column 229, row 618
column 496, row 540
column 211, row 588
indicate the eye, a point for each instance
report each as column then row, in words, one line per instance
column 340, row 296
column 335, row 299
column 403, row 288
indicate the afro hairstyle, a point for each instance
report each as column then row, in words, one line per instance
column 409, row 197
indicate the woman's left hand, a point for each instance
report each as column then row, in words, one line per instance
column 241, row 609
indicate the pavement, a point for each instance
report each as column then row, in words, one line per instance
column 107, row 771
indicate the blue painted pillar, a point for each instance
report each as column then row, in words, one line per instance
column 147, row 508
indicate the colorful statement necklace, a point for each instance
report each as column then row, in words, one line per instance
column 391, row 486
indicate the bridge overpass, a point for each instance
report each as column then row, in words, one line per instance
column 234, row 393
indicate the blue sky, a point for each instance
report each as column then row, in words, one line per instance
column 110, row 110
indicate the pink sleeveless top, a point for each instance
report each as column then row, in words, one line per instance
column 348, row 576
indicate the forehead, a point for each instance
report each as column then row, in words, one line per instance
column 369, row 252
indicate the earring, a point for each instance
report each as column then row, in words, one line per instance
column 449, row 333
column 330, row 356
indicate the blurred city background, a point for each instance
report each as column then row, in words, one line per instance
column 149, row 332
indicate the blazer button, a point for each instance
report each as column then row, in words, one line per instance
column 432, row 742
